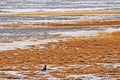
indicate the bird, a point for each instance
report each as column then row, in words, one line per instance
column 44, row 68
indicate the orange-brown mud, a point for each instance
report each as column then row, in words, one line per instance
column 60, row 13
column 87, row 22
column 81, row 56
column 75, row 23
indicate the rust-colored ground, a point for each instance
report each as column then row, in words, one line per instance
column 92, row 51
column 87, row 22
column 60, row 13
column 75, row 23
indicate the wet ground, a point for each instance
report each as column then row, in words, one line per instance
column 49, row 32
column 57, row 5
column 26, row 50
column 76, row 58
column 42, row 32
column 12, row 38
column 76, row 39
column 49, row 19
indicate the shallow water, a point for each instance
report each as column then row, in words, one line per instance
column 31, row 35
column 47, row 19
column 57, row 5
column 53, row 32
column 15, row 6
column 32, row 32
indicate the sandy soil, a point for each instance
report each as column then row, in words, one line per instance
column 76, row 58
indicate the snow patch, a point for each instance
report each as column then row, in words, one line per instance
column 88, row 77
column 110, row 30
column 77, row 33
column 19, row 10
column 24, row 44
column 85, row 33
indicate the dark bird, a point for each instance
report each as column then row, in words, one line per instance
column 44, row 68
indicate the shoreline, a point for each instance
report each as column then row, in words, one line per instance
column 60, row 13
column 92, row 51
column 71, row 23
